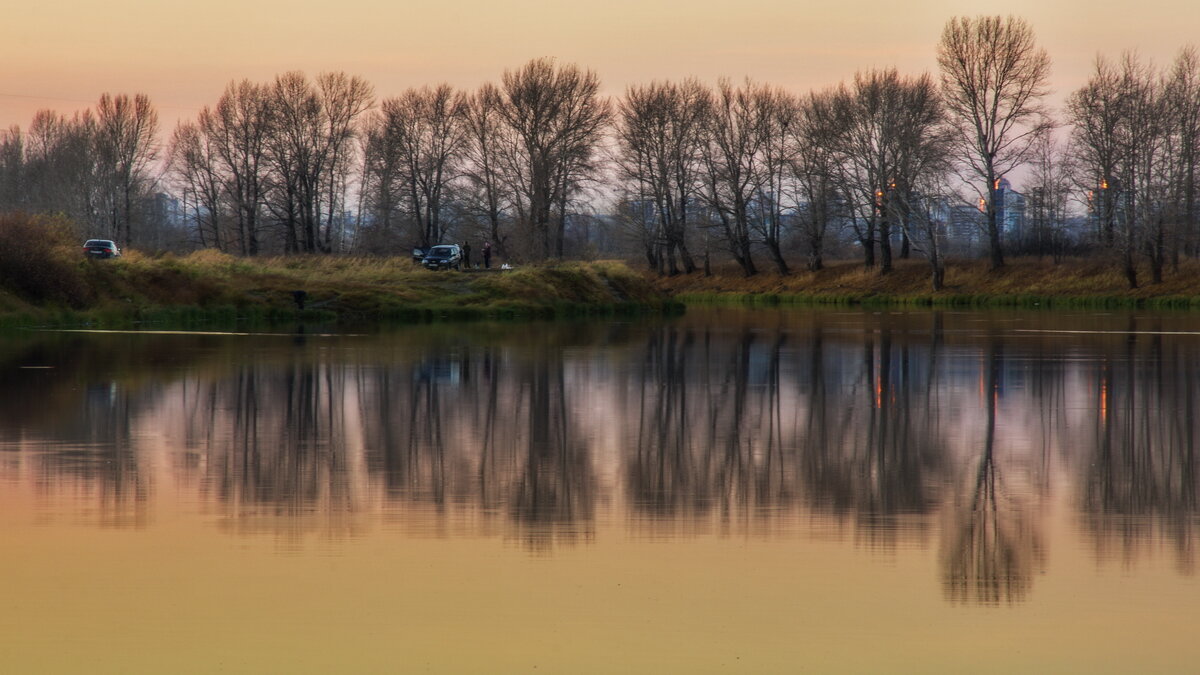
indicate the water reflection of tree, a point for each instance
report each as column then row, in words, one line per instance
column 1140, row 482
column 874, row 450
column 89, row 452
column 552, row 498
column 751, row 424
column 991, row 545
column 490, row 429
column 734, row 426
column 712, row 438
column 278, row 460
column 663, row 478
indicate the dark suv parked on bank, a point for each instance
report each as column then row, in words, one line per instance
column 443, row 257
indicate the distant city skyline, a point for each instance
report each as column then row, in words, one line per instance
column 63, row 56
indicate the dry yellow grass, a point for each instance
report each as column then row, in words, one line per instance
column 1021, row 277
column 337, row 287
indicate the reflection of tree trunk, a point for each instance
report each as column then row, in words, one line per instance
column 1141, row 481
column 488, row 469
column 991, row 548
column 773, row 487
column 732, row 467
column 661, row 475
column 553, row 497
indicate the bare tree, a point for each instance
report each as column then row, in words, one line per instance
column 191, row 161
column 1096, row 112
column 296, row 112
column 816, row 172
column 426, row 129
column 865, row 113
column 1048, row 197
column 1129, row 126
column 993, row 79
column 1182, row 91
column 889, row 135
column 919, row 163
column 736, row 134
column 311, row 151
column 659, row 132
column 1144, row 170
column 126, row 146
column 239, row 131
column 782, row 116
column 557, row 118
column 344, row 99
column 60, row 169
column 382, row 187
column 490, row 142
column 12, row 169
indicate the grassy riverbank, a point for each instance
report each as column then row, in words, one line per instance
column 44, row 280
column 51, row 284
column 1021, row 283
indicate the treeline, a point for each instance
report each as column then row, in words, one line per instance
column 95, row 167
column 882, row 166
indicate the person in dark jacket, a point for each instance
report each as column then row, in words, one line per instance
column 487, row 254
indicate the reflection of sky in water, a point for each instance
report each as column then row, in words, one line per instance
column 759, row 491
column 877, row 426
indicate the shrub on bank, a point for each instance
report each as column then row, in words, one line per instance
column 40, row 261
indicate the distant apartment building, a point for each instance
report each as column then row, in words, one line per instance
column 960, row 224
column 1010, row 211
column 163, row 209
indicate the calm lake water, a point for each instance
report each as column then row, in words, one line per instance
column 730, row 491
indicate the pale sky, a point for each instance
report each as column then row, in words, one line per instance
column 64, row 54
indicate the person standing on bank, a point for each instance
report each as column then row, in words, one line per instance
column 487, row 255
column 466, row 249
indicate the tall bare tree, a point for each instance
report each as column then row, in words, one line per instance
column 239, row 129
column 1048, row 197
column 889, row 136
column 126, row 147
column 919, row 163
column 816, row 172
column 993, row 79
column 865, row 111
column 344, row 99
column 1144, row 171
column 311, row 148
column 490, row 144
column 782, row 116
column 1096, row 112
column 736, row 135
column 191, row 160
column 659, row 131
column 426, row 128
column 1183, row 102
column 557, row 117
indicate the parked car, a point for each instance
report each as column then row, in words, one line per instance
column 443, row 257
column 101, row 248
column 419, row 254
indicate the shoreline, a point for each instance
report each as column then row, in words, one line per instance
column 213, row 289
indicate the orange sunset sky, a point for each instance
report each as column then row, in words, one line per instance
column 64, row 54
